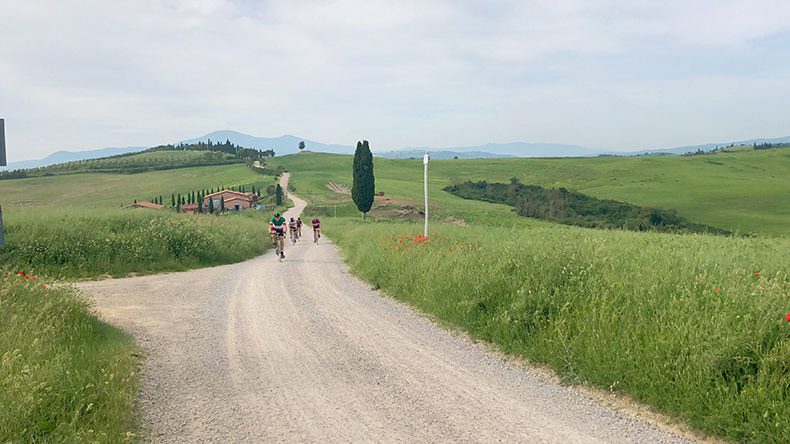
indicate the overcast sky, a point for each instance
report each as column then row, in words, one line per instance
column 620, row 75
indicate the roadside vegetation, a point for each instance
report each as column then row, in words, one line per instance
column 693, row 325
column 65, row 375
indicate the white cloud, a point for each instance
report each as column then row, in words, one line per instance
column 80, row 74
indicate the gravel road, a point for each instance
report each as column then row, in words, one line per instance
column 300, row 350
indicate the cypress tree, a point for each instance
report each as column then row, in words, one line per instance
column 278, row 195
column 172, row 200
column 211, row 205
column 364, row 188
column 222, row 203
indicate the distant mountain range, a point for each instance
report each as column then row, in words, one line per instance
column 289, row 144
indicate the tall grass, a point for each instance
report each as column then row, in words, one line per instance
column 65, row 376
column 693, row 325
column 89, row 244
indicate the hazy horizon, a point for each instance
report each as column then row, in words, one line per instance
column 618, row 76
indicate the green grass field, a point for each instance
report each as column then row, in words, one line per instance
column 740, row 192
column 65, row 375
column 700, row 321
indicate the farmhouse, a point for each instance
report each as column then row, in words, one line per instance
column 142, row 205
column 234, row 200
column 189, row 209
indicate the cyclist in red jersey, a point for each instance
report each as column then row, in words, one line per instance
column 316, row 229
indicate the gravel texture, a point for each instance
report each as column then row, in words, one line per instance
column 300, row 350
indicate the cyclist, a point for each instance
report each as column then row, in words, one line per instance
column 299, row 226
column 277, row 230
column 316, row 229
column 292, row 229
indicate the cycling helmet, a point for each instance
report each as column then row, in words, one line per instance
column 276, row 215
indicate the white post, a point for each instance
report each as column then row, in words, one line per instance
column 425, row 162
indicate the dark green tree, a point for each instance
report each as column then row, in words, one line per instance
column 222, row 203
column 211, row 205
column 278, row 195
column 364, row 188
column 172, row 200
column 301, row 145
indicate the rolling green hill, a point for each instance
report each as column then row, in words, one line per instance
column 740, row 191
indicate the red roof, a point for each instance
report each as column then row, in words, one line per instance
column 189, row 207
column 228, row 191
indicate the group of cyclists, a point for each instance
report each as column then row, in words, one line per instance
column 277, row 228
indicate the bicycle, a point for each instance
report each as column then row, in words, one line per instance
column 276, row 240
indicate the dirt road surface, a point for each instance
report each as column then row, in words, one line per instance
column 300, row 350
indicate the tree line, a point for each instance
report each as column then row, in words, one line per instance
column 227, row 147
column 574, row 208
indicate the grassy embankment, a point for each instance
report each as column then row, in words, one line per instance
column 65, row 375
column 693, row 325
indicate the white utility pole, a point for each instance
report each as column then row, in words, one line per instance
column 425, row 162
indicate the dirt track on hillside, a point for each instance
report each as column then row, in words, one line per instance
column 302, row 351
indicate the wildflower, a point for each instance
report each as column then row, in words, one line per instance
column 400, row 241
column 21, row 272
column 27, row 276
column 34, row 278
column 435, row 233
column 756, row 274
column 718, row 290
column 43, row 286
column 451, row 249
column 787, row 316
column 391, row 247
column 99, row 223
column 5, row 275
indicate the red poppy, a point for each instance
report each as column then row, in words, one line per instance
column 99, row 223
column 43, row 286
column 400, row 241
column 450, row 249
column 787, row 316
column 435, row 232
column 5, row 275
column 756, row 274
column 718, row 290
column 27, row 276
column 391, row 247
column 34, row 278
column 21, row 272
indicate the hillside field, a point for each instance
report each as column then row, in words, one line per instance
column 743, row 192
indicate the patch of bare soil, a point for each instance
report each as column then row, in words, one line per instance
column 338, row 188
